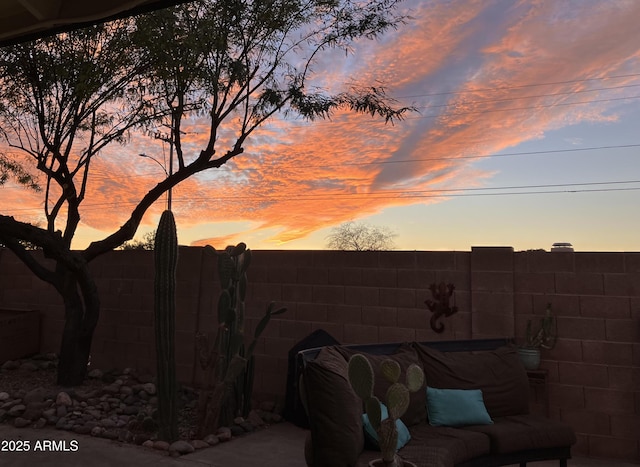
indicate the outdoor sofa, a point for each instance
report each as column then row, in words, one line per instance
column 511, row 436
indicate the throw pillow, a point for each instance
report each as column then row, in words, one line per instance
column 371, row 436
column 456, row 407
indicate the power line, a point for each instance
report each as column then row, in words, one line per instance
column 402, row 194
column 95, row 174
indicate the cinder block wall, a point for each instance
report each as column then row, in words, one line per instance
column 362, row 297
column 594, row 370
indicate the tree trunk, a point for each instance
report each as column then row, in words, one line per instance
column 82, row 308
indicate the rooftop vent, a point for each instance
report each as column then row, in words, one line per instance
column 562, row 246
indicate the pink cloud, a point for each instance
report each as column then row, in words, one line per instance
column 472, row 68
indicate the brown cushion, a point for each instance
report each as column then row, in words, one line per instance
column 520, row 432
column 335, row 411
column 498, row 373
column 405, row 356
column 437, row 447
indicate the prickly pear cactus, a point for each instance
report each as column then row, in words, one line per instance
column 166, row 260
column 361, row 377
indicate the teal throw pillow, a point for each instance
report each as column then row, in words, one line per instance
column 372, row 437
column 456, row 407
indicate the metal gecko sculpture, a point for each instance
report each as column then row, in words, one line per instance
column 440, row 306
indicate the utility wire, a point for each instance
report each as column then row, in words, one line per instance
column 96, row 175
column 399, row 194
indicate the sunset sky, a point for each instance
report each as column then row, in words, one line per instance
column 527, row 133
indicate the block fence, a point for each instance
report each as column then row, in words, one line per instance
column 363, row 297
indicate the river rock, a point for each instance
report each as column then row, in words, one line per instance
column 199, row 444
column 161, row 445
column 181, row 447
column 211, row 440
column 16, row 410
column 29, row 366
column 35, row 395
column 20, row 422
column 223, row 434
column 63, row 399
column 255, row 419
column 10, row 365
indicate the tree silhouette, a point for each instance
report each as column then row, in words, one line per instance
column 358, row 236
column 235, row 64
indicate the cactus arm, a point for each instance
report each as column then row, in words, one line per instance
column 374, row 412
column 388, row 439
column 397, row 400
column 361, row 376
column 415, row 378
column 390, row 370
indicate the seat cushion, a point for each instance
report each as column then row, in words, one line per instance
column 437, row 447
column 498, row 373
column 521, row 432
column 405, row 356
column 335, row 411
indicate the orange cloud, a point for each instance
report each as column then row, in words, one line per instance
column 486, row 76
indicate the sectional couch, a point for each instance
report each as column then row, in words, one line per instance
column 511, row 436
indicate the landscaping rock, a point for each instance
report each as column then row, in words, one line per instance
column 247, row 427
column 35, row 395
column 199, row 444
column 211, row 440
column 161, row 445
column 20, row 422
column 34, row 410
column 29, row 366
column 63, row 399
column 113, row 405
column 16, row 410
column 223, row 434
column 255, row 419
column 40, row 423
column 10, row 365
column 181, row 447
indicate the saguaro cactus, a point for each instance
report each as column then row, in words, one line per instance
column 397, row 399
column 166, row 260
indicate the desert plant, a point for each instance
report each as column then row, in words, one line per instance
column 397, row 397
column 166, row 260
column 545, row 335
column 228, row 364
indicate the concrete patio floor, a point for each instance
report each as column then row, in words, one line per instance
column 277, row 446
